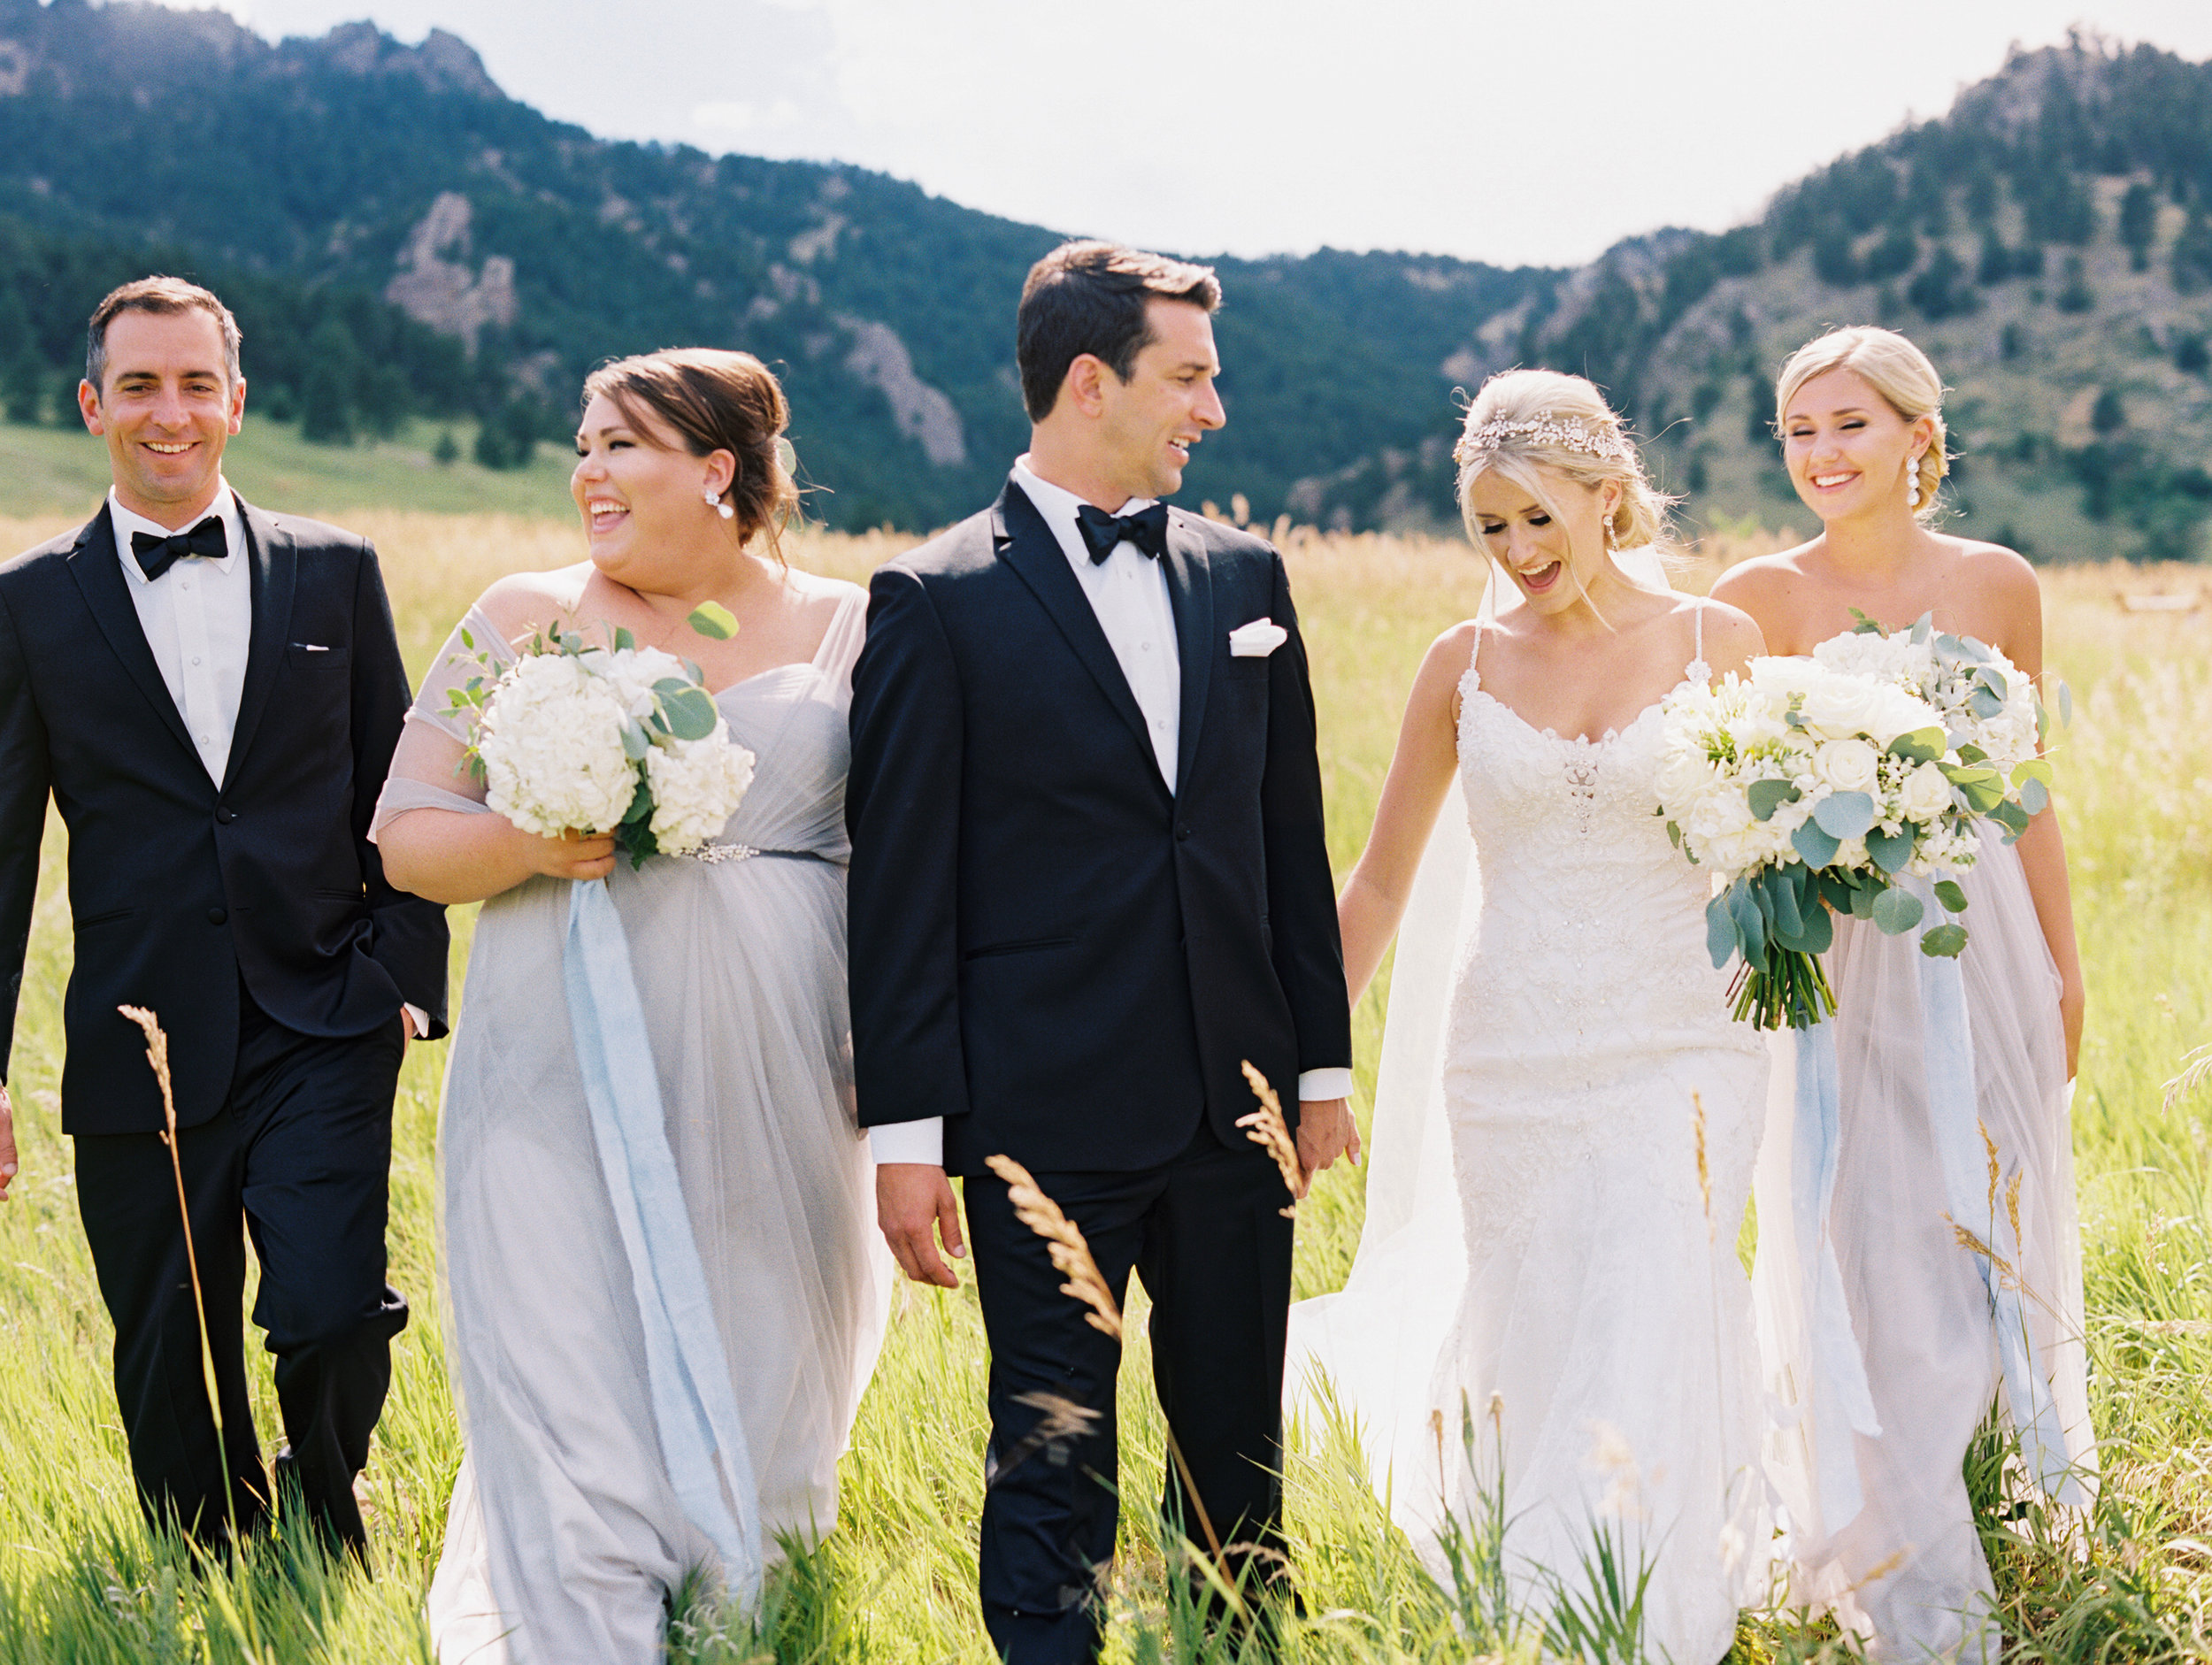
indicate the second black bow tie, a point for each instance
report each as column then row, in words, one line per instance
column 156, row 555
column 1103, row 532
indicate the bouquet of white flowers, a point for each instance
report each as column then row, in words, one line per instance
column 1810, row 784
column 1992, row 719
column 622, row 740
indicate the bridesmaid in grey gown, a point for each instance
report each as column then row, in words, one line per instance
column 571, row 1527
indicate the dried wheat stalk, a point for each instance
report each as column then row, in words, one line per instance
column 1266, row 1128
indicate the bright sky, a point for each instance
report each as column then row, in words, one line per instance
column 1501, row 130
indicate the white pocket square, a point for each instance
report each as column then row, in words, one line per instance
column 1257, row 639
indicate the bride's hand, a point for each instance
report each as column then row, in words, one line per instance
column 571, row 855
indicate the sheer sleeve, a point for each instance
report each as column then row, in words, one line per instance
column 427, row 769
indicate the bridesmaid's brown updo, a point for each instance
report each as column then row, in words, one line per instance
column 714, row 400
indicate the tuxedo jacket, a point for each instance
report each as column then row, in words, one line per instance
column 181, row 887
column 1049, row 950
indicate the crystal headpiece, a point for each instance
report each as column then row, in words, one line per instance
column 1551, row 431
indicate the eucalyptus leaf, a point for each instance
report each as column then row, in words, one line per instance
column 2065, row 702
column 1765, row 797
column 2012, row 817
column 689, row 715
column 1720, row 932
column 1820, row 931
column 1781, row 895
column 1984, row 704
column 1837, row 891
column 2035, row 797
column 1943, row 942
column 635, row 742
column 714, row 621
column 1896, row 911
column 1921, row 628
column 2034, row 769
column 1863, row 900
column 1948, row 893
column 1816, row 847
column 1922, row 746
column 1751, row 923
column 623, row 640
column 1889, row 850
column 1844, row 815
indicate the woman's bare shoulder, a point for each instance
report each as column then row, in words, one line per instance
column 522, row 602
column 1762, row 576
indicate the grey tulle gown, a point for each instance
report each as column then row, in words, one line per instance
column 565, row 1539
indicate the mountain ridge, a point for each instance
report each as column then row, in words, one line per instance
column 372, row 186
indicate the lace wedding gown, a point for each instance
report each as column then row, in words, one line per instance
column 567, row 1535
column 1582, row 1307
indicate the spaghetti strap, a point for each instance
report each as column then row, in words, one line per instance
column 1697, row 656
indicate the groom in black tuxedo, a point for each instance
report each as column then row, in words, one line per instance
column 211, row 694
column 1089, row 882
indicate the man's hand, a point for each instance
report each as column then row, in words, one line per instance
column 7, row 1141
column 1325, row 1131
column 911, row 1197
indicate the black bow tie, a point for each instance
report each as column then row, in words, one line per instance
column 156, row 555
column 1102, row 533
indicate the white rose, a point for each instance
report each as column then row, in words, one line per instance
column 1926, row 794
column 1835, row 706
column 1848, row 765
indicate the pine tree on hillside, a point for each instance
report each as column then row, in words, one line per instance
column 2138, row 224
column 328, row 388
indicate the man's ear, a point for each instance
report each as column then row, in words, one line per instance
column 88, row 407
column 238, row 404
column 1086, row 384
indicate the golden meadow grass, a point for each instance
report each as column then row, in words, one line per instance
column 79, row 1581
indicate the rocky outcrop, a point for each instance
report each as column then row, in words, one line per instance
column 880, row 359
column 434, row 284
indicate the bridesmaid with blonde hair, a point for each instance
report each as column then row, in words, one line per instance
column 1944, row 1334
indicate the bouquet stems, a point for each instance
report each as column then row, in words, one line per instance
column 1793, row 991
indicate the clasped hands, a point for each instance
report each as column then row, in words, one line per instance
column 916, row 1211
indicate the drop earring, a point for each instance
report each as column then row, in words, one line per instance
column 718, row 506
column 1912, row 484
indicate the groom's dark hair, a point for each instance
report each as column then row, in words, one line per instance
column 1090, row 297
column 167, row 296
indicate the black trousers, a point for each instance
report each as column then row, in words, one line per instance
column 300, row 1155
column 1207, row 1234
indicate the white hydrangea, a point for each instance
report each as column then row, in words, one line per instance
column 632, row 673
column 551, row 746
column 697, row 785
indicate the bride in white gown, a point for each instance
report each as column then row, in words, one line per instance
column 1563, row 1153
column 580, row 1510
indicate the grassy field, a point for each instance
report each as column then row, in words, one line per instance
column 81, row 1581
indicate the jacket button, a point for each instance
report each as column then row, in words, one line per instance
column 223, row 816
column 216, row 916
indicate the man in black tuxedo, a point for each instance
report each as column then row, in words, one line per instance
column 211, row 694
column 1089, row 882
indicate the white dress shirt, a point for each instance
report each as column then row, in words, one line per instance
column 199, row 619
column 1128, row 593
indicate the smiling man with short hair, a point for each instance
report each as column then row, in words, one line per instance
column 1089, row 882
column 211, row 694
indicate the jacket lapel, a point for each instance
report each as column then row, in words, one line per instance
column 93, row 564
column 1026, row 543
column 1190, row 592
column 275, row 571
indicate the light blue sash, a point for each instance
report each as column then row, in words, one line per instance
column 1978, row 1204
column 694, row 1408
column 1838, row 1403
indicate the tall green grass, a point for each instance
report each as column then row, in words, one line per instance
column 80, row 1580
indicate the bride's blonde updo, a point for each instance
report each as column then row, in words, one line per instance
column 1895, row 368
column 1527, row 425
